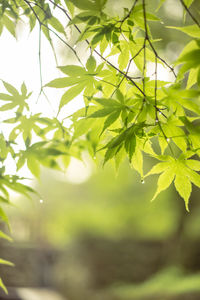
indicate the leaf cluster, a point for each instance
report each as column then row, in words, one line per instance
column 126, row 114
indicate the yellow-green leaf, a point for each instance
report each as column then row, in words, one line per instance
column 91, row 64
column 33, row 166
column 193, row 164
column 191, row 30
column 9, row 24
column 159, row 168
column 71, row 93
column 137, row 162
column 55, row 23
column 164, row 181
column 192, row 78
column 183, row 187
column 3, row 286
column 64, row 82
column 6, row 262
column 5, row 236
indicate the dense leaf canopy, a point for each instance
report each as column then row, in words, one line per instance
column 126, row 112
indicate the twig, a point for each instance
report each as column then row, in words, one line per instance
column 144, row 63
column 128, row 15
column 160, row 58
column 157, row 122
column 40, row 64
column 95, row 51
column 61, row 39
column 155, row 91
column 128, row 67
column 189, row 13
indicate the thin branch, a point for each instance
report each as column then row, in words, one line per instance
column 155, row 91
column 166, row 138
column 40, row 63
column 50, row 41
column 189, row 13
column 118, row 70
column 144, row 62
column 144, row 69
column 149, row 41
column 66, row 13
column 55, row 33
column 127, row 70
column 128, row 15
column 95, row 51
column 125, row 75
column 99, row 79
column 160, row 58
column 157, row 122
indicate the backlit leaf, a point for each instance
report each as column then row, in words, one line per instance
column 11, row 89
column 191, row 30
column 72, row 70
column 6, row 262
column 33, row 166
column 184, row 188
column 111, row 119
column 164, row 181
column 5, row 236
column 64, row 82
column 91, row 64
column 3, row 286
column 71, row 93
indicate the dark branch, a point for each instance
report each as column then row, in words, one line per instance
column 51, row 30
column 95, row 51
column 189, row 13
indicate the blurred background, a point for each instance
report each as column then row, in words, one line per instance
column 94, row 234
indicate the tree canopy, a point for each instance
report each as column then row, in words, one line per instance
column 127, row 112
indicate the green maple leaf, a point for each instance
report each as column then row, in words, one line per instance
column 182, row 172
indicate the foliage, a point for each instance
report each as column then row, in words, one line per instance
column 168, row 282
column 126, row 113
